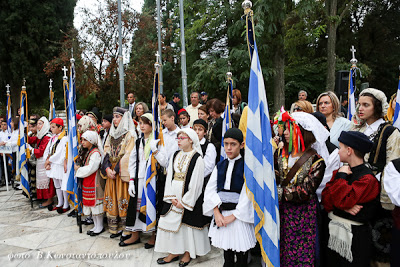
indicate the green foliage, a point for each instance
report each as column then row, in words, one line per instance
column 87, row 102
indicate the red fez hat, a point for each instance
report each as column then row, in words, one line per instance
column 78, row 117
column 182, row 109
column 58, row 121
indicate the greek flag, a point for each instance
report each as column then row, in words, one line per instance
column 259, row 167
column 22, row 155
column 72, row 144
column 52, row 113
column 227, row 124
column 396, row 120
column 149, row 197
column 9, row 116
column 351, row 96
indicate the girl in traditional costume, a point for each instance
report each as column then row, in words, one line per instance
column 44, row 185
column 182, row 222
column 300, row 166
column 92, row 184
column 117, row 149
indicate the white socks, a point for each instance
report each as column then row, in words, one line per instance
column 98, row 223
column 66, row 204
column 60, row 197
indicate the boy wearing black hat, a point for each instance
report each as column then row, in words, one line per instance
column 106, row 124
column 351, row 199
column 208, row 149
column 225, row 199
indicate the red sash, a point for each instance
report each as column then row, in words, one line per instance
column 89, row 190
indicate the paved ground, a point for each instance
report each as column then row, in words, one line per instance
column 36, row 237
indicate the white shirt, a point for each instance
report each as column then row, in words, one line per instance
column 170, row 142
column 209, row 157
column 392, row 183
column 3, row 136
column 370, row 129
column 193, row 113
column 132, row 107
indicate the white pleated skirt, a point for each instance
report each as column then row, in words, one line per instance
column 238, row 236
column 187, row 239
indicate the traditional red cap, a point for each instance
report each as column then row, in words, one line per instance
column 58, row 121
column 78, row 117
column 182, row 109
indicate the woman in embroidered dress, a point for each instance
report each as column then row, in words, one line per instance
column 92, row 184
column 117, row 149
column 181, row 228
column 372, row 107
column 304, row 144
column 44, row 185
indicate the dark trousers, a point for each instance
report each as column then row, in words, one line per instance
column 241, row 258
column 395, row 247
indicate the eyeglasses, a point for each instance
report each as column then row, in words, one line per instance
column 181, row 138
column 297, row 109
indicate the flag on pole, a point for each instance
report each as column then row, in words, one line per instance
column 9, row 116
column 259, row 159
column 149, row 197
column 351, row 96
column 396, row 119
column 72, row 143
column 227, row 123
column 23, row 154
column 52, row 110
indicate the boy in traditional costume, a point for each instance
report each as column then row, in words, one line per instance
column 182, row 222
column 351, row 200
column 92, row 184
column 55, row 164
column 117, row 149
column 225, row 199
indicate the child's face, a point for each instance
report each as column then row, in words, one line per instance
column 55, row 129
column 183, row 120
column 343, row 152
column 184, row 142
column 86, row 143
column 199, row 129
column 232, row 147
column 144, row 127
column 168, row 122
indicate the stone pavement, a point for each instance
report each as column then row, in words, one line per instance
column 37, row 237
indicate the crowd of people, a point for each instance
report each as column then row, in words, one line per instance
column 338, row 181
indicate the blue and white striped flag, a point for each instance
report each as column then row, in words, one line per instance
column 9, row 116
column 149, row 196
column 259, row 167
column 351, row 96
column 22, row 155
column 72, row 143
column 396, row 120
column 227, row 123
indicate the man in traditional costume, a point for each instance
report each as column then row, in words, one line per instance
column 351, row 200
column 182, row 222
column 225, row 199
column 92, row 184
column 117, row 149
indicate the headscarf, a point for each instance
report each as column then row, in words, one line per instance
column 94, row 139
column 378, row 94
column 87, row 123
column 124, row 126
column 321, row 134
column 45, row 129
column 195, row 139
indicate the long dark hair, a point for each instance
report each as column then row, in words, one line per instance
column 378, row 112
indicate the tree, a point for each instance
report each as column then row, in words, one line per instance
column 27, row 40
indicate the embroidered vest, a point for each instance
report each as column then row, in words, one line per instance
column 237, row 179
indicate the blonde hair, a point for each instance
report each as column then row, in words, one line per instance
column 305, row 106
column 335, row 103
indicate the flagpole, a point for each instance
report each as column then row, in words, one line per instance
column 351, row 112
column 120, row 59
column 51, row 100
column 160, row 75
column 183, row 56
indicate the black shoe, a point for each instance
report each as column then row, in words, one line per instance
column 123, row 244
column 123, row 238
column 48, row 206
column 162, row 261
column 88, row 221
column 72, row 213
column 115, row 235
column 183, row 264
column 89, row 232
column 94, row 234
column 148, row 246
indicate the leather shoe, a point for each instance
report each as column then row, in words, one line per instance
column 62, row 210
column 72, row 213
column 94, row 234
column 123, row 238
column 88, row 221
column 123, row 244
column 162, row 261
column 46, row 207
column 115, row 235
column 89, row 232
column 183, row 264
column 148, row 246
column 55, row 208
